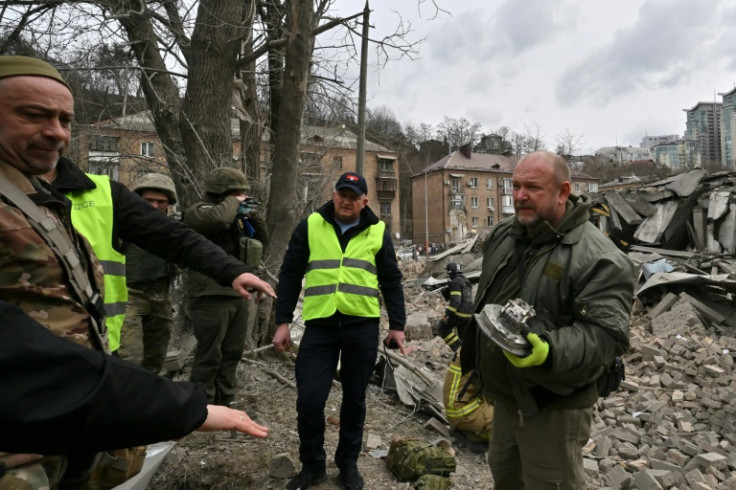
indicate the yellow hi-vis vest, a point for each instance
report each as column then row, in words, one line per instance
column 337, row 281
column 92, row 216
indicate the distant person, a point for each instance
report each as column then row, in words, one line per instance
column 148, row 316
column 217, row 314
column 581, row 287
column 459, row 294
column 345, row 255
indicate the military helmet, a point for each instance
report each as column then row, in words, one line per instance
column 453, row 268
column 224, row 180
column 157, row 182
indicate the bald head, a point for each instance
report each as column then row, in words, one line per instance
column 541, row 184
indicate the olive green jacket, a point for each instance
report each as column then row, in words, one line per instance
column 581, row 287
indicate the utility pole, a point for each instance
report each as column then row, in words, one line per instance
column 360, row 147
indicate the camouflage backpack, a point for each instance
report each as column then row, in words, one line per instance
column 431, row 482
column 409, row 459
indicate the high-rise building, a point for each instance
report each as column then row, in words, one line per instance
column 704, row 126
column 728, row 129
column 650, row 141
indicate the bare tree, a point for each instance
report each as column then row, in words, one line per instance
column 568, row 143
column 458, row 132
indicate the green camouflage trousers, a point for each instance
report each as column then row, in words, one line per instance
column 147, row 328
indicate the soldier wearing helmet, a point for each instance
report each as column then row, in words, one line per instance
column 228, row 217
column 148, row 316
column 459, row 293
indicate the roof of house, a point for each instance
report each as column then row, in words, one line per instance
column 322, row 136
column 477, row 161
column 140, row 121
column 337, row 137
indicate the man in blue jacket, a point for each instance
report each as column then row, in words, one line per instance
column 347, row 256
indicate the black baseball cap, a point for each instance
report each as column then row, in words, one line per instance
column 354, row 182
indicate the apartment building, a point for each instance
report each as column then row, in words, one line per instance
column 728, row 129
column 703, row 125
column 127, row 147
column 466, row 193
column 681, row 154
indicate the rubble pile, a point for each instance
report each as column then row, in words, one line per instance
column 693, row 210
column 672, row 424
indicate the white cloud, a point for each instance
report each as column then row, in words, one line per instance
column 610, row 71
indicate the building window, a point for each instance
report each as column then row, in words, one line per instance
column 98, row 142
column 577, row 188
column 489, row 221
column 474, row 222
column 386, row 185
column 337, row 162
column 385, row 165
column 455, row 184
column 491, row 203
column 385, row 209
column 592, row 187
column 508, row 187
column 104, row 167
column 473, row 202
column 491, row 183
column 147, row 149
column 473, row 182
column 507, row 202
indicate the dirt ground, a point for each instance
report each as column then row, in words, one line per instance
column 216, row 461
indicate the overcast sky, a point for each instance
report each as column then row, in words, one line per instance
column 608, row 71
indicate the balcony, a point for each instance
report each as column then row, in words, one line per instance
column 386, row 185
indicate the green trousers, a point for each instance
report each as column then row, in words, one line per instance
column 145, row 335
column 219, row 324
column 544, row 451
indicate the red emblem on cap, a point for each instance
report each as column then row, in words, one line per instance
column 352, row 177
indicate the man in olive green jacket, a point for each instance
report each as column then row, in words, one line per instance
column 581, row 287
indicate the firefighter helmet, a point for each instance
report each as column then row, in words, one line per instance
column 157, row 182
column 453, row 268
column 223, row 180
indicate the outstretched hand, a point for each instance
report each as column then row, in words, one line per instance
column 245, row 284
column 224, row 418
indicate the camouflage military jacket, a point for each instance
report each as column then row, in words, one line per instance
column 31, row 275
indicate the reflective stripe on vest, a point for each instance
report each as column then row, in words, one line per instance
column 92, row 216
column 341, row 282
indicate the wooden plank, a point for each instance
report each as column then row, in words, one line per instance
column 662, row 251
column 699, row 226
column 641, row 206
column 623, row 208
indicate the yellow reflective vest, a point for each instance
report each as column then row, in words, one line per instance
column 337, row 281
column 92, row 216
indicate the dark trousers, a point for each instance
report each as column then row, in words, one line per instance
column 220, row 325
column 356, row 347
